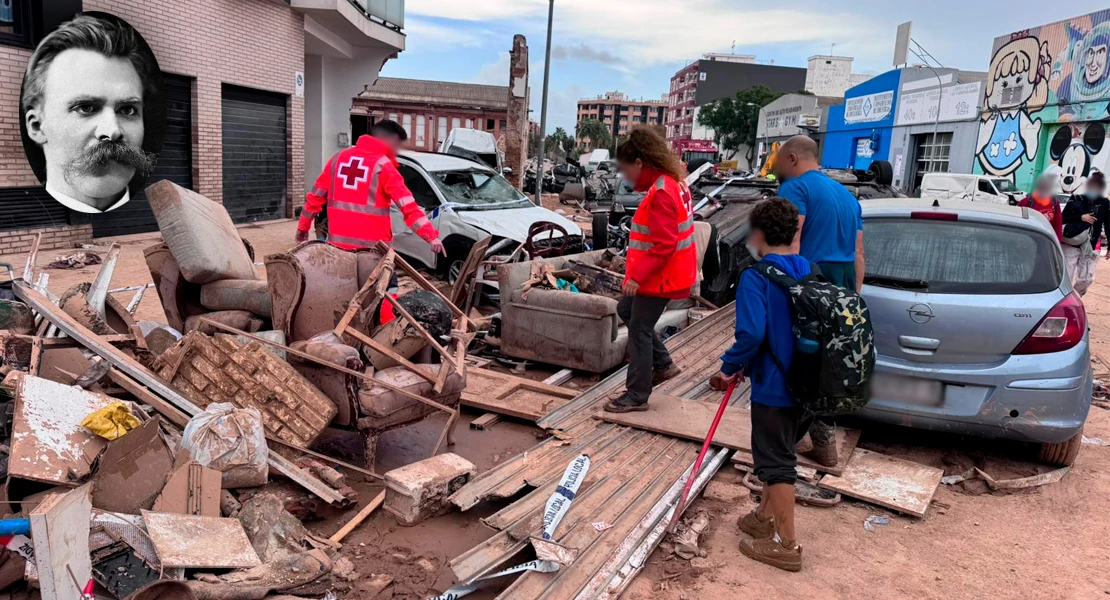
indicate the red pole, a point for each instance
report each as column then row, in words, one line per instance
column 681, row 506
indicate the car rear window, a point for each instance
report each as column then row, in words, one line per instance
column 959, row 258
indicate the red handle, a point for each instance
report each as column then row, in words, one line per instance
column 681, row 506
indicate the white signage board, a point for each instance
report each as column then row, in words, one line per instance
column 869, row 108
column 957, row 103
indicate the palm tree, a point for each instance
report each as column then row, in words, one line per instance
column 595, row 133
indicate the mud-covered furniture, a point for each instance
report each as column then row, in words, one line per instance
column 311, row 288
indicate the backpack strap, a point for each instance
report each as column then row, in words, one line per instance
column 774, row 274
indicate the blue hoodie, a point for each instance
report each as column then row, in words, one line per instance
column 763, row 312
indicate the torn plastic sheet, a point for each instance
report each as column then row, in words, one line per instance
column 539, row 566
column 873, row 520
column 561, row 499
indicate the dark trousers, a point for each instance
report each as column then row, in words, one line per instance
column 646, row 351
column 842, row 274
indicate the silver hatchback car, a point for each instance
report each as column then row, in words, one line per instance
column 977, row 328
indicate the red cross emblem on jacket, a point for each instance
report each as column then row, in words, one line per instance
column 359, row 185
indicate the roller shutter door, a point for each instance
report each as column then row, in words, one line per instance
column 254, row 154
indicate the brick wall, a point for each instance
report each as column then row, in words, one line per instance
column 381, row 110
column 252, row 43
column 53, row 238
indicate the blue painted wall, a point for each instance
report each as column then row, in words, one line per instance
column 843, row 140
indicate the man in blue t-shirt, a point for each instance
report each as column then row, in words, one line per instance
column 831, row 221
column 831, row 229
column 764, row 332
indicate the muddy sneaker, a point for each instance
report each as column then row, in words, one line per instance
column 805, row 446
column 756, row 526
column 661, row 376
column 773, row 552
column 624, row 404
column 824, row 444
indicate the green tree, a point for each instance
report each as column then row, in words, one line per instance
column 596, row 132
column 733, row 120
column 556, row 143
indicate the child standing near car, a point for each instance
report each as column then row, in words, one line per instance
column 764, row 350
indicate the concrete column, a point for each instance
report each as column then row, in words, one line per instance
column 516, row 133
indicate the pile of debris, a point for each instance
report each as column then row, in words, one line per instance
column 182, row 448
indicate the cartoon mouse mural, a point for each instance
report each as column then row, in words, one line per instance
column 1075, row 150
column 1017, row 80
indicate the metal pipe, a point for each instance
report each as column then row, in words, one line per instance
column 936, row 120
column 543, row 112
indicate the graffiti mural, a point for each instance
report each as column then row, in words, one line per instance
column 1045, row 102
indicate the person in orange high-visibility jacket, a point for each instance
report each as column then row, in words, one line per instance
column 661, row 265
column 358, row 186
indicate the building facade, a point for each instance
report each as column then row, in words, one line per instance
column 430, row 110
column 791, row 115
column 829, row 76
column 620, row 113
column 1054, row 113
column 859, row 130
column 712, row 78
column 238, row 127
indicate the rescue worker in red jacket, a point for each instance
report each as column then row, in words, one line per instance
column 358, row 186
column 662, row 261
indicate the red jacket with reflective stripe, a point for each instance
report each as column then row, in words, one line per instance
column 661, row 253
column 359, row 184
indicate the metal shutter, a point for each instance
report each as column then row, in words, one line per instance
column 29, row 208
column 254, row 154
column 175, row 163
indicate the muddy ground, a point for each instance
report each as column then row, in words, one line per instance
column 1047, row 543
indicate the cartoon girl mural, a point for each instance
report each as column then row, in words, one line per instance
column 1017, row 81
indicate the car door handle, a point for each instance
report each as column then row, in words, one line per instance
column 918, row 343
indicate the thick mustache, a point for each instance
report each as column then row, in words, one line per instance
column 95, row 160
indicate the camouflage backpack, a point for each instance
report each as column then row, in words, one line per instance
column 835, row 354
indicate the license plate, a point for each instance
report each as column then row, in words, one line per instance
column 907, row 390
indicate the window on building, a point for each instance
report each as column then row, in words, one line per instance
column 456, row 123
column 393, row 117
column 15, row 22
column 441, row 129
column 503, row 127
column 406, row 124
column 470, row 123
column 490, row 124
column 420, row 131
column 931, row 156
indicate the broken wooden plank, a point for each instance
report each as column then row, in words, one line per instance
column 132, row 368
column 513, row 396
column 893, row 483
column 167, row 410
column 460, row 292
column 48, row 442
column 195, row 542
column 97, row 296
column 560, row 378
column 59, row 528
column 485, row 421
column 358, row 519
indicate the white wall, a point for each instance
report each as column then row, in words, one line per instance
column 829, row 75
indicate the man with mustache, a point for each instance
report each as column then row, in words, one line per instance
column 87, row 92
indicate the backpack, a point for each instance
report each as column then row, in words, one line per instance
column 830, row 377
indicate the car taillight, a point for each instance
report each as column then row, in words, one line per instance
column 1061, row 329
column 934, row 216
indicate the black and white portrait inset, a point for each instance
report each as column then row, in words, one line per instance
column 92, row 112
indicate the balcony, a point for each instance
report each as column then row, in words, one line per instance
column 348, row 28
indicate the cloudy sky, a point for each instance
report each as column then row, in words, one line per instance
column 635, row 46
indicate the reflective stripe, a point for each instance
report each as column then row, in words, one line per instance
column 644, row 229
column 373, row 196
column 307, row 214
column 638, row 245
column 661, row 183
column 319, row 193
column 366, row 209
column 403, row 202
column 684, row 244
column 686, row 225
column 334, row 165
column 352, row 241
column 421, row 222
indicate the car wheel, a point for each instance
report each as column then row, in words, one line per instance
column 600, row 231
column 883, row 171
column 1062, row 454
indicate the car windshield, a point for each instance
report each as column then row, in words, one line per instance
column 1005, row 186
column 477, row 188
column 946, row 257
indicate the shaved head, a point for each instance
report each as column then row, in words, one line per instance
column 797, row 156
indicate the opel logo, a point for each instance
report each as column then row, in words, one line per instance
column 921, row 313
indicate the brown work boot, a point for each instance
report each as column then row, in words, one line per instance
column 805, row 446
column 756, row 526
column 624, row 404
column 777, row 553
column 824, row 444
column 659, row 377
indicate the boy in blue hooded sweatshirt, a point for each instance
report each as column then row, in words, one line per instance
column 764, row 325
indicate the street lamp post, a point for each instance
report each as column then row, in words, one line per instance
column 540, row 155
column 936, row 120
column 755, row 138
